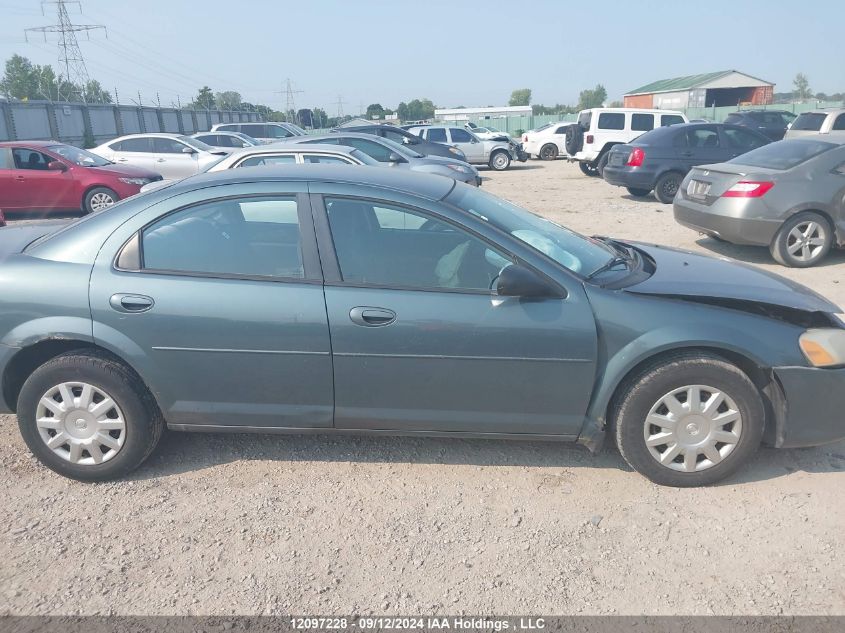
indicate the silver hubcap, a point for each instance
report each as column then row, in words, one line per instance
column 500, row 161
column 692, row 428
column 80, row 423
column 101, row 201
column 806, row 241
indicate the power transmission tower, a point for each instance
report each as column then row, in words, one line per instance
column 70, row 57
column 290, row 102
column 339, row 105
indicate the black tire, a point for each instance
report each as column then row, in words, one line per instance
column 667, row 186
column 548, row 152
column 574, row 139
column 638, row 193
column 500, row 160
column 144, row 423
column 588, row 169
column 821, row 234
column 637, row 395
column 96, row 199
column 602, row 163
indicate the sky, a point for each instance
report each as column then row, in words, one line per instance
column 456, row 53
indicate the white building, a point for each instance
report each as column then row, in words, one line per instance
column 465, row 114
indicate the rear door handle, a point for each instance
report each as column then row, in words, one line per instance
column 131, row 303
column 160, row 160
column 371, row 317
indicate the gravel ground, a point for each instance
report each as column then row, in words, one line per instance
column 234, row 524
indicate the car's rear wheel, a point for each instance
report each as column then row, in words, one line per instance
column 548, row 151
column 638, row 193
column 500, row 160
column 688, row 420
column 602, row 163
column 88, row 417
column 802, row 241
column 99, row 198
column 667, row 186
column 588, row 169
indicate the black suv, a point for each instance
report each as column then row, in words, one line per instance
column 771, row 123
column 404, row 137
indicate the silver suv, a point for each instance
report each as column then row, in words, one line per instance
column 817, row 122
column 496, row 154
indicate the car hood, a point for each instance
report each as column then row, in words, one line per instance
column 442, row 160
column 13, row 239
column 124, row 170
column 682, row 273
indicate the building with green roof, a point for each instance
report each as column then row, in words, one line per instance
column 722, row 88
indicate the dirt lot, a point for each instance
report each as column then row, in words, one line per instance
column 273, row 524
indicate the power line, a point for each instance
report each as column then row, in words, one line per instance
column 70, row 56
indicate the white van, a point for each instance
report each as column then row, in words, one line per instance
column 599, row 129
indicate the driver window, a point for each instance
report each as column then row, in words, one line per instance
column 391, row 246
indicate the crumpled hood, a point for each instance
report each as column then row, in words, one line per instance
column 13, row 239
column 684, row 273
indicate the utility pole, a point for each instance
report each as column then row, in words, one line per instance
column 116, row 98
column 70, row 56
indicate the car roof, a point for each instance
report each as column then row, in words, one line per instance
column 433, row 187
column 31, row 143
column 333, row 135
column 274, row 148
column 825, row 111
column 148, row 135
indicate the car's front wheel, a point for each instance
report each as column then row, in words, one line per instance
column 688, row 420
column 88, row 417
column 99, row 198
column 548, row 151
column 802, row 241
column 500, row 160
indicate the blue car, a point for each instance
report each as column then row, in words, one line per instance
column 343, row 299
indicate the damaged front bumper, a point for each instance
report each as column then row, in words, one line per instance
column 812, row 410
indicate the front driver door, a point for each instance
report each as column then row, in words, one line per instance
column 174, row 159
column 468, row 144
column 217, row 301
column 420, row 344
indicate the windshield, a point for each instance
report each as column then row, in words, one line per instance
column 79, row 156
column 296, row 129
column 400, row 149
column 809, row 121
column 783, row 154
column 580, row 254
column 196, row 144
column 247, row 138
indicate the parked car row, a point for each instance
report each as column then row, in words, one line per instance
column 498, row 154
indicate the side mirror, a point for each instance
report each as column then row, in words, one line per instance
column 406, row 140
column 519, row 281
column 188, row 150
column 394, row 158
column 56, row 165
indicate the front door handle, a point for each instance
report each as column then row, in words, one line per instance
column 371, row 317
column 131, row 303
column 160, row 160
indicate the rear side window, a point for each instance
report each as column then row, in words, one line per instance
column 228, row 128
column 783, row 154
column 703, row 137
column 437, row 135
column 809, row 121
column 611, row 121
column 585, row 119
column 642, row 122
column 247, row 237
column 255, row 161
column 6, row 158
column 133, row 145
column 839, row 123
column 671, row 119
column 460, row 136
column 741, row 139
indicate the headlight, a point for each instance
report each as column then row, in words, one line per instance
column 823, row 347
column 459, row 168
column 135, row 181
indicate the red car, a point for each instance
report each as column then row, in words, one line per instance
column 52, row 176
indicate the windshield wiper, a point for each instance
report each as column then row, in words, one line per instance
column 614, row 261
